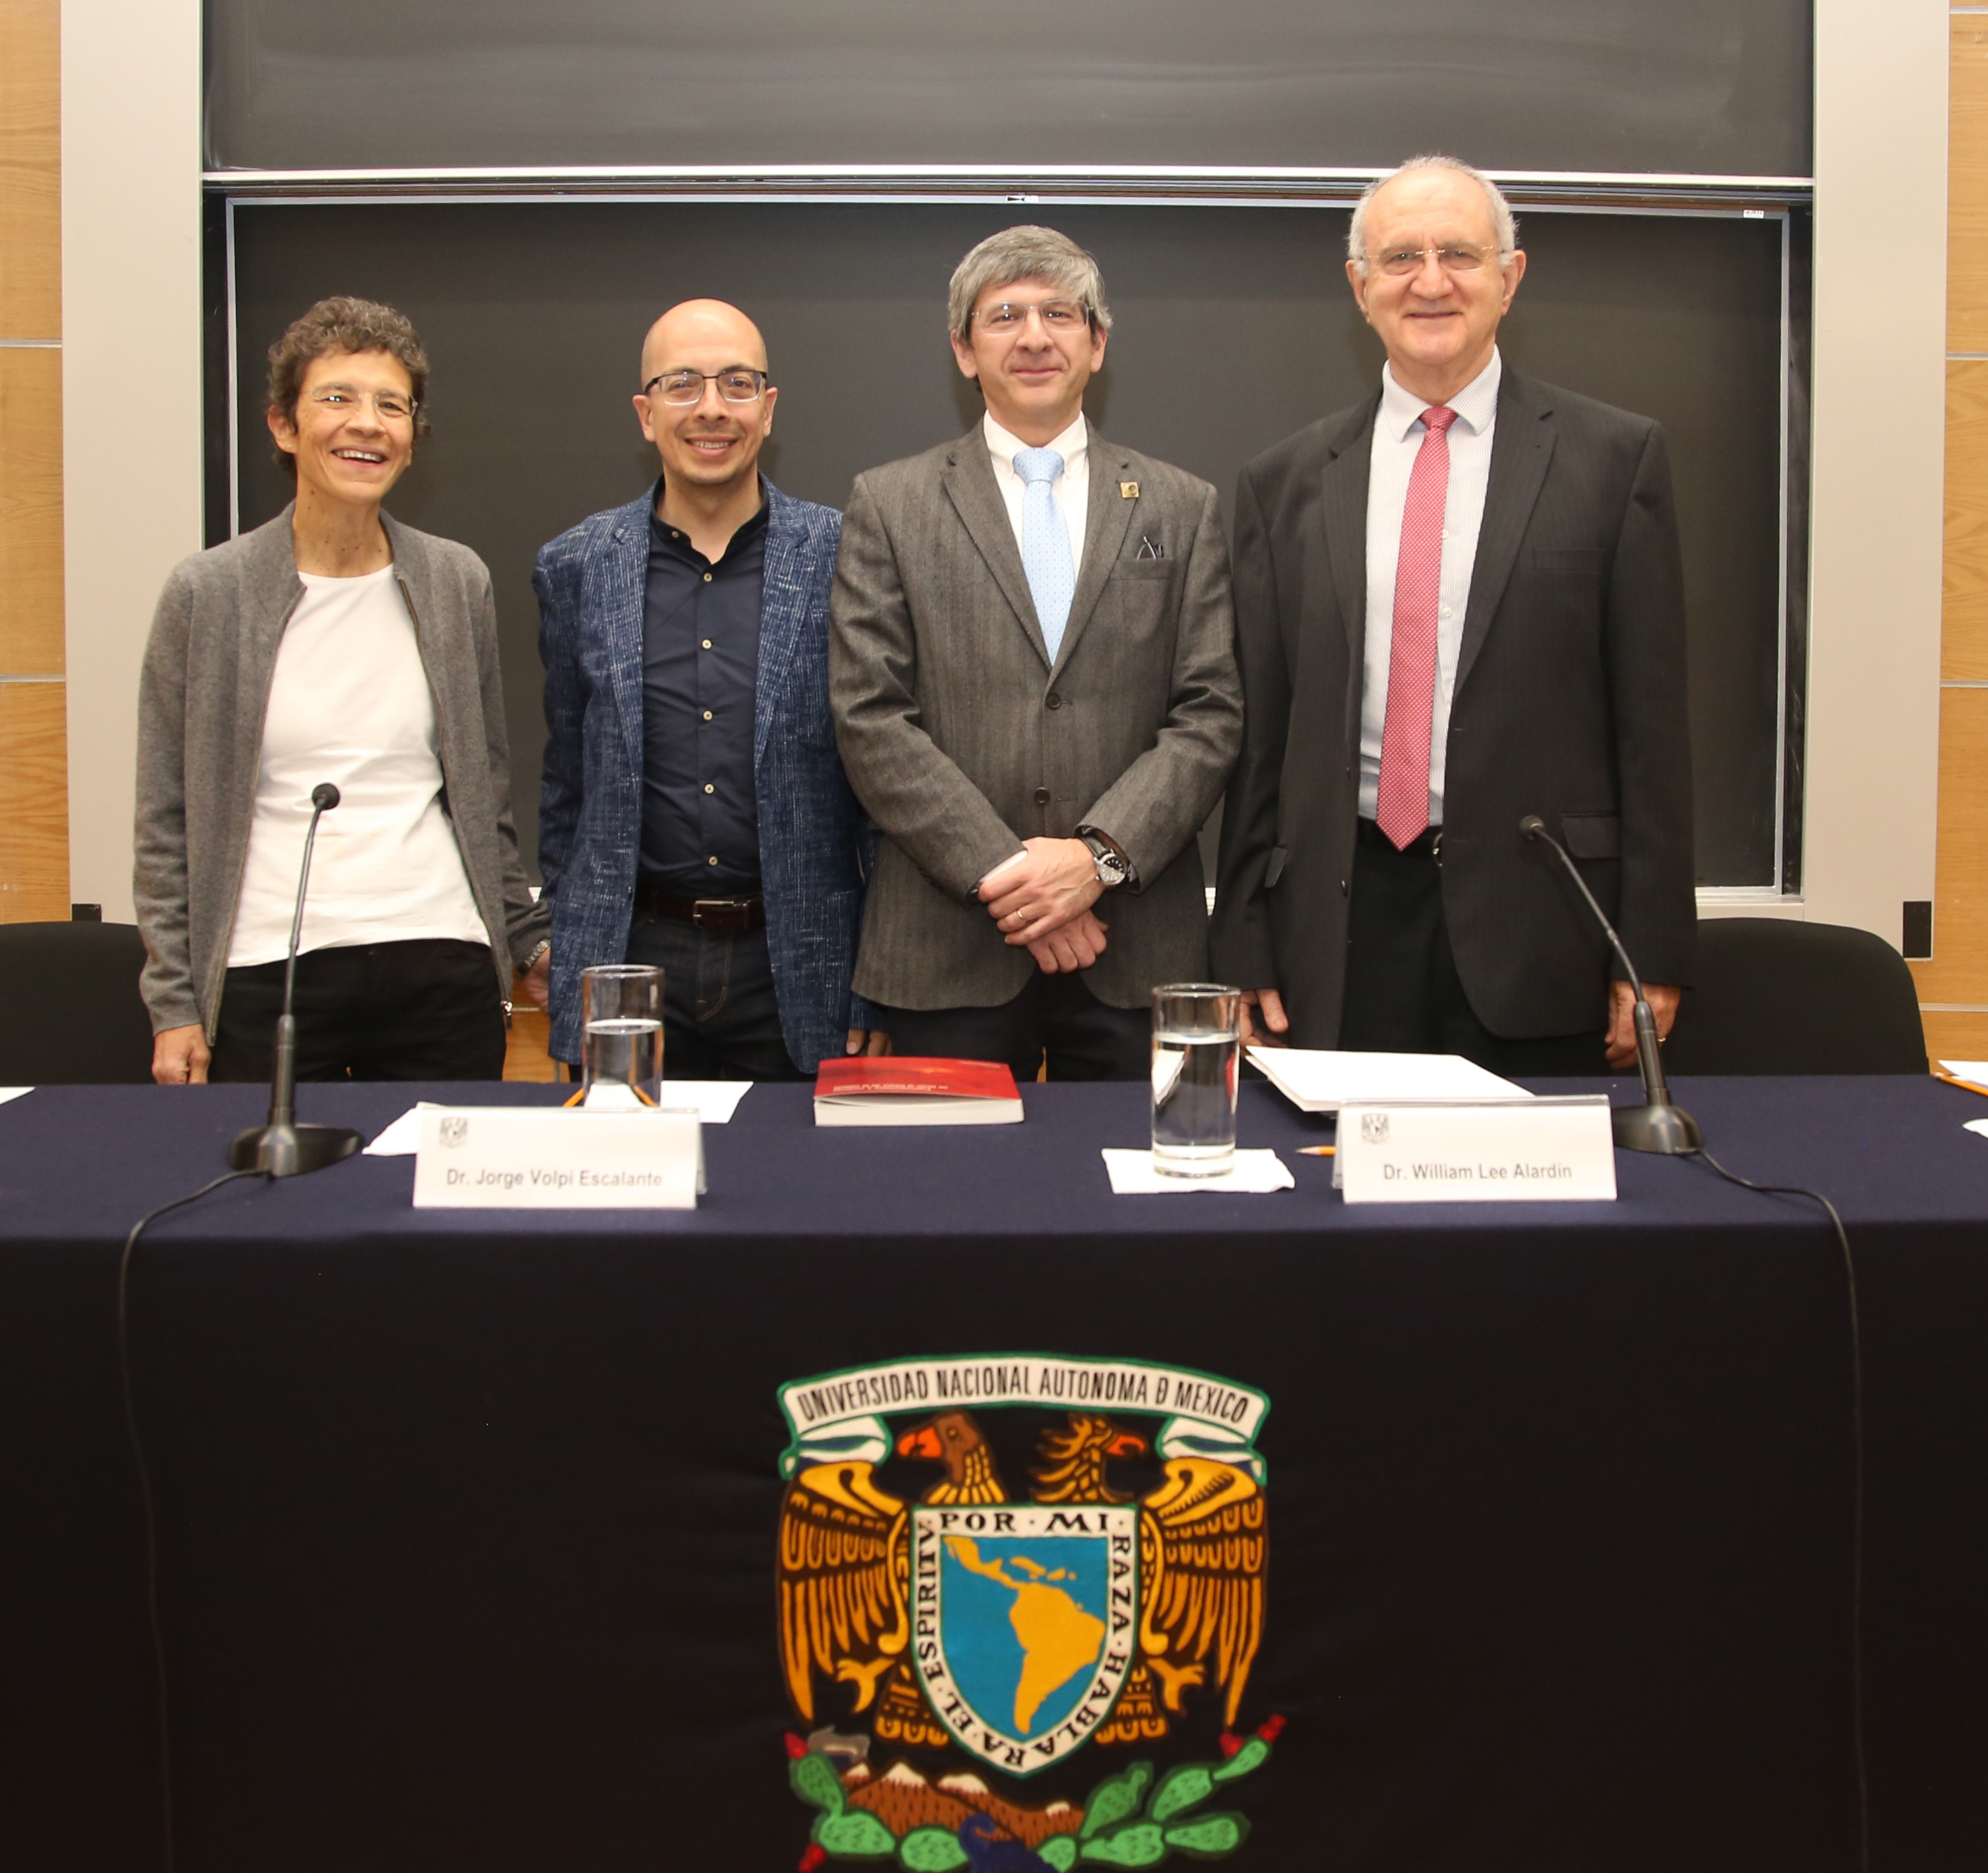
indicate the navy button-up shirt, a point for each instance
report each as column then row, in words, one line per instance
column 700, row 670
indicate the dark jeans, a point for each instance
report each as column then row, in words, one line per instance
column 1403, row 994
column 720, row 1020
column 427, row 1010
column 1084, row 1038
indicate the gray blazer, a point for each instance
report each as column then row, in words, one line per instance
column 1570, row 703
column 202, row 696
column 961, row 739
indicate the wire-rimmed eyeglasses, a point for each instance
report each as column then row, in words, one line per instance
column 1458, row 257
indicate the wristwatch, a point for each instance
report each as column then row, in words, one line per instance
column 1112, row 869
column 532, row 960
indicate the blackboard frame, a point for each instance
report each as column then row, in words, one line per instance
column 1782, row 201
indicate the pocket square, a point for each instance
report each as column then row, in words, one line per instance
column 1150, row 549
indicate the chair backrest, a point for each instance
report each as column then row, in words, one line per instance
column 1776, row 996
column 74, row 1016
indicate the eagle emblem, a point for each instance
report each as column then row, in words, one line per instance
column 1113, row 1595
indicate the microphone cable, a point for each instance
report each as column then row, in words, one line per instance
column 1856, row 1486
column 147, row 1497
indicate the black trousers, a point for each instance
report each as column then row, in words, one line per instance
column 426, row 1009
column 1085, row 1039
column 1403, row 994
column 720, row 1019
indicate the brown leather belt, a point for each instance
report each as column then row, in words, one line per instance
column 730, row 915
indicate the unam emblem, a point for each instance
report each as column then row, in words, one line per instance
column 1020, row 1627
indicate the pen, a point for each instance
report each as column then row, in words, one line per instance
column 1953, row 1078
column 1328, row 1150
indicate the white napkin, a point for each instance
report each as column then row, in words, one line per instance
column 402, row 1138
column 1133, row 1174
column 12, row 1092
column 715, row 1101
column 1977, row 1124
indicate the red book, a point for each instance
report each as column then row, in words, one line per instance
column 902, row 1090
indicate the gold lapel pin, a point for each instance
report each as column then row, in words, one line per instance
column 1128, row 491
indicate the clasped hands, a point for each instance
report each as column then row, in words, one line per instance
column 1041, row 901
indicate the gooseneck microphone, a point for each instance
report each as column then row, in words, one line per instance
column 282, row 1148
column 1656, row 1125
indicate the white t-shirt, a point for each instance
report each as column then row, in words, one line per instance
column 350, row 703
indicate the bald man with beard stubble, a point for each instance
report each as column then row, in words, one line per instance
column 694, row 812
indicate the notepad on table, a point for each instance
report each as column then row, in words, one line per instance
column 1323, row 1079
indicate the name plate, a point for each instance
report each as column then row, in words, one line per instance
column 513, row 1158
column 1519, row 1150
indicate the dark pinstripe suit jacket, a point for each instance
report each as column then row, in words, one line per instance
column 961, row 737
column 1570, row 703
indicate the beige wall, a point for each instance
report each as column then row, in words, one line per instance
column 34, row 817
column 131, row 291
column 1877, row 441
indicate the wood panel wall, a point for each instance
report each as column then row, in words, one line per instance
column 34, row 776
column 1953, row 985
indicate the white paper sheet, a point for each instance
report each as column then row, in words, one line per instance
column 1133, row 1175
column 1977, row 1125
column 714, row 1100
column 1316, row 1080
column 1976, row 1070
column 12, row 1092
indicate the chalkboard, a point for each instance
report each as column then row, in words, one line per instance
column 1705, row 86
column 1234, row 327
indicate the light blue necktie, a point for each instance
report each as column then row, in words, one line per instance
column 1045, row 555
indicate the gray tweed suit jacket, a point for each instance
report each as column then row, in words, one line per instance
column 961, row 738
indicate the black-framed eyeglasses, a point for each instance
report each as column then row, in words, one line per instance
column 683, row 387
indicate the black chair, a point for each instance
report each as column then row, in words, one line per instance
column 1776, row 996
column 74, row 1017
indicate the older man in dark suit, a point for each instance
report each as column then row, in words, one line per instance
column 1033, row 675
column 1459, row 603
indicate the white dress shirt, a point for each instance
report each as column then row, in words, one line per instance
column 350, row 703
column 1397, row 440
column 1071, row 488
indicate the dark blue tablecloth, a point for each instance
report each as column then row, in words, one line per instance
column 78, row 1162
column 470, row 1519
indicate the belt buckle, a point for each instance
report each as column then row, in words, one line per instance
column 722, row 907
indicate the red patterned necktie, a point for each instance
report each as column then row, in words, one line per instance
column 1402, row 813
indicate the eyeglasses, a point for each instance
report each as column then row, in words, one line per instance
column 1401, row 260
column 683, row 387
column 1056, row 315
column 389, row 406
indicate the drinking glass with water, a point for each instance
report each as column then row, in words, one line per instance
column 621, row 1035
column 1197, row 1046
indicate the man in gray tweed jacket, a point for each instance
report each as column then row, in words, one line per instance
column 1034, row 684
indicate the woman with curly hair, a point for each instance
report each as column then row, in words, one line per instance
column 333, row 643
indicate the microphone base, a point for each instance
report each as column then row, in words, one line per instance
column 1667, row 1130
column 291, row 1151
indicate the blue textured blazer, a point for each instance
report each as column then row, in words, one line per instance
column 814, row 842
